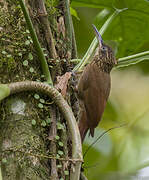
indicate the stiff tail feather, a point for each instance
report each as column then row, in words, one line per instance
column 83, row 126
column 92, row 131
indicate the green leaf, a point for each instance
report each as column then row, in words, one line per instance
column 57, row 156
column 61, row 144
column 73, row 12
column 4, row 91
column 129, row 29
column 36, row 96
column 42, row 100
column 4, row 160
column 66, row 173
column 31, row 70
column 48, row 120
column 59, row 125
column 57, row 137
column 40, row 105
column 59, row 166
column 30, row 56
column 61, row 179
column 92, row 3
column 43, row 123
column 42, row 76
column 60, row 152
column 19, row 54
column 27, row 42
column 33, row 122
column 9, row 55
column 25, row 63
column 27, row 31
column 4, row 52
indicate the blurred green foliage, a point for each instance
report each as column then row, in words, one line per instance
column 121, row 153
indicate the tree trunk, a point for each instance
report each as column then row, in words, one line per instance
column 34, row 139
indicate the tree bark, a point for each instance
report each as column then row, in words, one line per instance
column 31, row 128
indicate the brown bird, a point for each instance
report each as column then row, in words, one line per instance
column 94, row 87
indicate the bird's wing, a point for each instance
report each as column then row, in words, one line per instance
column 83, row 83
column 98, row 93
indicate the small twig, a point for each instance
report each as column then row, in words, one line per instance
column 42, row 13
column 68, row 25
column 102, row 134
column 52, row 134
column 74, row 45
column 64, row 139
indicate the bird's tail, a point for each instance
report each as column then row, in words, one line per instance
column 83, row 126
column 92, row 132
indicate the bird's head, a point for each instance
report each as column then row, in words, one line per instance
column 105, row 52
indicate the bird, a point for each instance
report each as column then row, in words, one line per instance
column 94, row 86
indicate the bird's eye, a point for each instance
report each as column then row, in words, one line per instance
column 103, row 48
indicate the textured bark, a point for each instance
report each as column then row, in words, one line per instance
column 22, row 145
column 21, row 142
column 26, row 139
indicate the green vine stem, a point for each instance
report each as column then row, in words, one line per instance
column 133, row 59
column 128, row 60
column 65, row 109
column 94, row 43
column 36, row 43
column 74, row 45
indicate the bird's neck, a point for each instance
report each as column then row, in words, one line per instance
column 102, row 64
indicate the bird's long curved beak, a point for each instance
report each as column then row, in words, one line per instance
column 98, row 36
